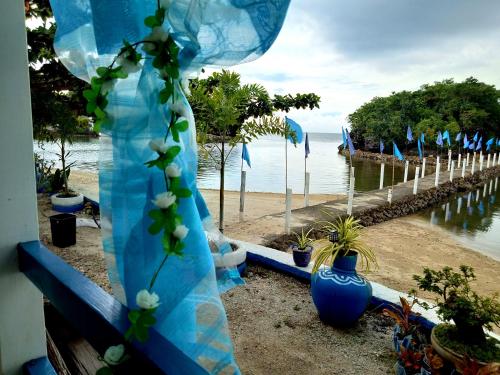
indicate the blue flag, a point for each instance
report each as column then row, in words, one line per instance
column 446, row 135
column 422, row 138
column 498, row 142
column 396, row 152
column 409, row 135
column 466, row 142
column 439, row 140
column 381, row 146
column 458, row 137
column 352, row 151
column 489, row 143
column 296, row 128
column 475, row 136
column 245, row 155
column 306, row 147
column 479, row 144
column 419, row 149
column 472, row 146
column 344, row 139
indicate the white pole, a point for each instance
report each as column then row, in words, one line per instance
column 494, row 160
column 306, row 195
column 389, row 195
column 423, row 168
column 463, row 168
column 351, row 196
column 22, row 328
column 488, row 161
column 452, row 169
column 288, row 210
column 459, row 163
column 477, row 195
column 415, row 182
column 484, row 190
column 438, row 168
column 481, row 162
column 242, row 190
column 473, row 164
column 449, row 160
column 468, row 159
column 381, row 185
column 407, row 164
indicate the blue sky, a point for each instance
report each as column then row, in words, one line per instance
column 350, row 51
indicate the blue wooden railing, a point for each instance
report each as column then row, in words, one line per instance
column 98, row 316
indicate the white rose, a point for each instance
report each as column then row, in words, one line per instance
column 108, row 86
column 181, row 231
column 159, row 34
column 128, row 66
column 178, row 107
column 185, row 86
column 146, row 300
column 165, row 200
column 114, row 354
column 173, row 170
column 158, row 145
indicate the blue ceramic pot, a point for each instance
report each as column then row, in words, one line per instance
column 301, row 258
column 339, row 293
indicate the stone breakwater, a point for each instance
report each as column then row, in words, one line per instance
column 402, row 207
column 413, row 160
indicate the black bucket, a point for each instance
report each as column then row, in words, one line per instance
column 63, row 229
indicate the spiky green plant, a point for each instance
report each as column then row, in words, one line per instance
column 349, row 231
column 303, row 239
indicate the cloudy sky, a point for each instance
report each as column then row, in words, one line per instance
column 349, row 51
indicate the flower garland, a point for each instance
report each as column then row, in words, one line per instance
column 160, row 47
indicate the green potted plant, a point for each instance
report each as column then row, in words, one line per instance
column 339, row 293
column 302, row 248
column 471, row 313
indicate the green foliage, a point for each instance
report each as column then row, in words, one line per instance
column 468, row 106
column 303, row 239
column 349, row 232
column 456, row 300
column 140, row 322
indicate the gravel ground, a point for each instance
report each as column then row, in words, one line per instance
column 274, row 325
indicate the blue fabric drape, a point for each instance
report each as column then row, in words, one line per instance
column 224, row 32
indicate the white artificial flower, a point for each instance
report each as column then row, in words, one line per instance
column 108, row 86
column 158, row 145
column 173, row 170
column 146, row 300
column 185, row 86
column 165, row 4
column 165, row 200
column 159, row 34
column 128, row 66
column 114, row 354
column 178, row 107
column 181, row 231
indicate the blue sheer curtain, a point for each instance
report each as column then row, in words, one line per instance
column 89, row 35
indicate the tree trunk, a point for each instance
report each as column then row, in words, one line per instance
column 221, row 190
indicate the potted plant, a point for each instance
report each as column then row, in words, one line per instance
column 405, row 332
column 470, row 312
column 341, row 295
column 302, row 249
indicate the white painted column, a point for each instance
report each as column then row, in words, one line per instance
column 405, row 178
column 463, row 168
column 351, row 195
column 415, row 182
column 494, row 160
column 242, row 190
column 473, row 164
column 423, row 168
column 459, row 163
column 381, row 184
column 467, row 159
column 481, row 162
column 452, row 169
column 488, row 161
column 22, row 329
column 288, row 210
column 438, row 169
column 306, row 189
column 449, row 160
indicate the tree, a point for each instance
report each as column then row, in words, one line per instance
column 237, row 113
column 469, row 106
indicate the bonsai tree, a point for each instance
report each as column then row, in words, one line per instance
column 457, row 302
column 348, row 243
column 228, row 113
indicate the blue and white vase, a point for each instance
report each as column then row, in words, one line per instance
column 341, row 295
